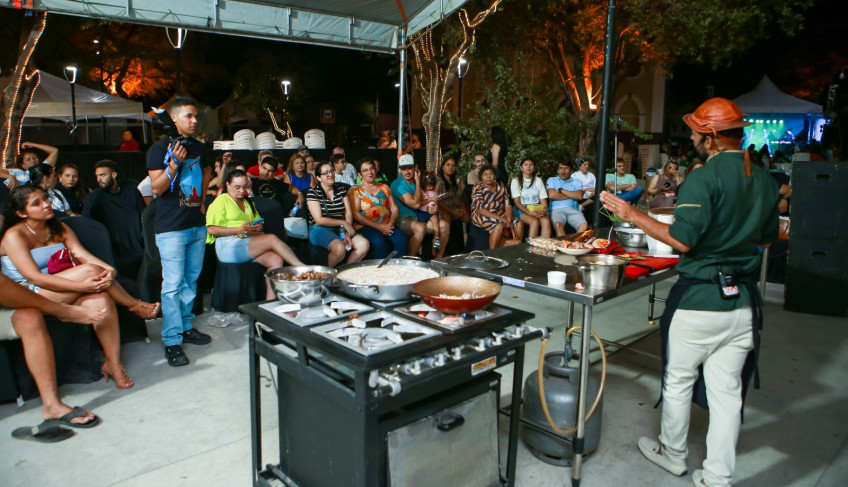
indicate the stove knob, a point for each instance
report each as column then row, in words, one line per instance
column 479, row 344
column 456, row 353
column 440, row 359
column 519, row 332
column 497, row 339
column 412, row 368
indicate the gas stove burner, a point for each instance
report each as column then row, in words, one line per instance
column 330, row 307
column 452, row 321
column 374, row 332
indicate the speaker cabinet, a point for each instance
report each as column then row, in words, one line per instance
column 817, row 276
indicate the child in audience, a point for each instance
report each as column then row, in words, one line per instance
column 430, row 195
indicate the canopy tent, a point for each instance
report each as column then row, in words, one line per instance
column 370, row 25
column 779, row 119
column 767, row 98
column 52, row 99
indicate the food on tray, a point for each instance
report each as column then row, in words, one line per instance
column 567, row 244
column 305, row 276
column 544, row 243
column 388, row 275
column 600, row 243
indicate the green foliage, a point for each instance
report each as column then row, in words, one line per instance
column 534, row 127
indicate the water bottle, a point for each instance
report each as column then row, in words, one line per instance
column 342, row 237
column 295, row 209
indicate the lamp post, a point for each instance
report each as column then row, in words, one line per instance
column 285, row 85
column 177, row 44
column 71, row 75
column 461, row 71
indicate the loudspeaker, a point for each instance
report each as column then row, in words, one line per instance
column 817, row 276
column 819, row 208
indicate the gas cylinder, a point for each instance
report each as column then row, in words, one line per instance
column 561, row 386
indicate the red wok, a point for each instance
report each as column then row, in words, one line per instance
column 431, row 291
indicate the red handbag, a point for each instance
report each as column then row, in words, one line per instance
column 60, row 261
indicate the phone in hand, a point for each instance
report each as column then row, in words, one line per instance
column 257, row 221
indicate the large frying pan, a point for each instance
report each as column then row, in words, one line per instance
column 430, row 290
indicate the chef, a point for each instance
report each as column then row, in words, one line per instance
column 724, row 212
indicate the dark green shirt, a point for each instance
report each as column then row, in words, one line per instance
column 723, row 215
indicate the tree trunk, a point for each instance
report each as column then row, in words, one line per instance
column 17, row 95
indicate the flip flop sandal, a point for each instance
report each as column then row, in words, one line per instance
column 46, row 432
column 77, row 412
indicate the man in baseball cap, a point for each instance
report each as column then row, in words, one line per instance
column 712, row 319
column 407, row 191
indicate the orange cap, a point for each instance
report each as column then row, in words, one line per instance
column 715, row 115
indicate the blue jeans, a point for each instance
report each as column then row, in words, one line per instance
column 182, row 260
column 631, row 196
column 381, row 244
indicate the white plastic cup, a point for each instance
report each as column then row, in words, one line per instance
column 556, row 278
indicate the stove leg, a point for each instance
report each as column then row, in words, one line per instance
column 514, row 415
column 578, row 443
column 255, row 403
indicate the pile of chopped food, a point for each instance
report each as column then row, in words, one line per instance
column 305, row 276
column 388, row 275
column 544, row 243
column 462, row 296
column 566, row 244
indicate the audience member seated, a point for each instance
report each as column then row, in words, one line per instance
column 349, row 169
column 376, row 212
column 230, row 225
column 329, row 211
column 18, row 172
column 587, row 179
column 23, row 309
column 267, row 186
column 253, row 171
column 565, row 191
column 491, row 211
column 72, row 187
column 30, row 236
column 128, row 144
column 221, row 181
column 624, row 185
column 220, row 161
column 381, row 176
column 407, row 192
column 531, row 200
column 43, row 176
column 118, row 206
column 452, row 205
column 662, row 189
column 339, row 164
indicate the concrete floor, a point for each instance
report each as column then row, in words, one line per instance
column 189, row 426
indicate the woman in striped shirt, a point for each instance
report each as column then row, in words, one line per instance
column 329, row 213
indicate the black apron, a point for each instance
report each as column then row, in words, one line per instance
column 749, row 368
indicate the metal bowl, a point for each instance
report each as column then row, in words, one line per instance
column 601, row 271
column 632, row 237
column 302, row 292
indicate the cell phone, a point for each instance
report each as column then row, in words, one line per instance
column 441, row 196
column 257, row 221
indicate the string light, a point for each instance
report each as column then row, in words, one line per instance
column 14, row 100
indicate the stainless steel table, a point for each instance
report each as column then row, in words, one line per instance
column 527, row 269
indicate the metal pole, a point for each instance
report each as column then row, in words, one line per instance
column 402, row 45
column 74, row 115
column 578, row 443
column 459, row 100
column 179, row 77
column 609, row 59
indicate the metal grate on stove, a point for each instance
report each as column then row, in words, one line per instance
column 374, row 332
column 331, row 307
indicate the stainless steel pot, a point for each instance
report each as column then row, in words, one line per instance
column 302, row 292
column 631, row 237
column 376, row 292
column 601, row 271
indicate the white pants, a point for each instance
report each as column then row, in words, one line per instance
column 720, row 340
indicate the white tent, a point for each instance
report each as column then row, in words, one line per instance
column 767, row 98
column 370, row 25
column 52, row 99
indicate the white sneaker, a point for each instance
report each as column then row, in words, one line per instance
column 436, row 243
column 653, row 452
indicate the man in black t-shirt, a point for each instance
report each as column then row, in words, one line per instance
column 118, row 206
column 179, row 175
column 267, row 186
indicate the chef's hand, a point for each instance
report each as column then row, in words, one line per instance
column 618, row 206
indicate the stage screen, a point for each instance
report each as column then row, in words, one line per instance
column 781, row 132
